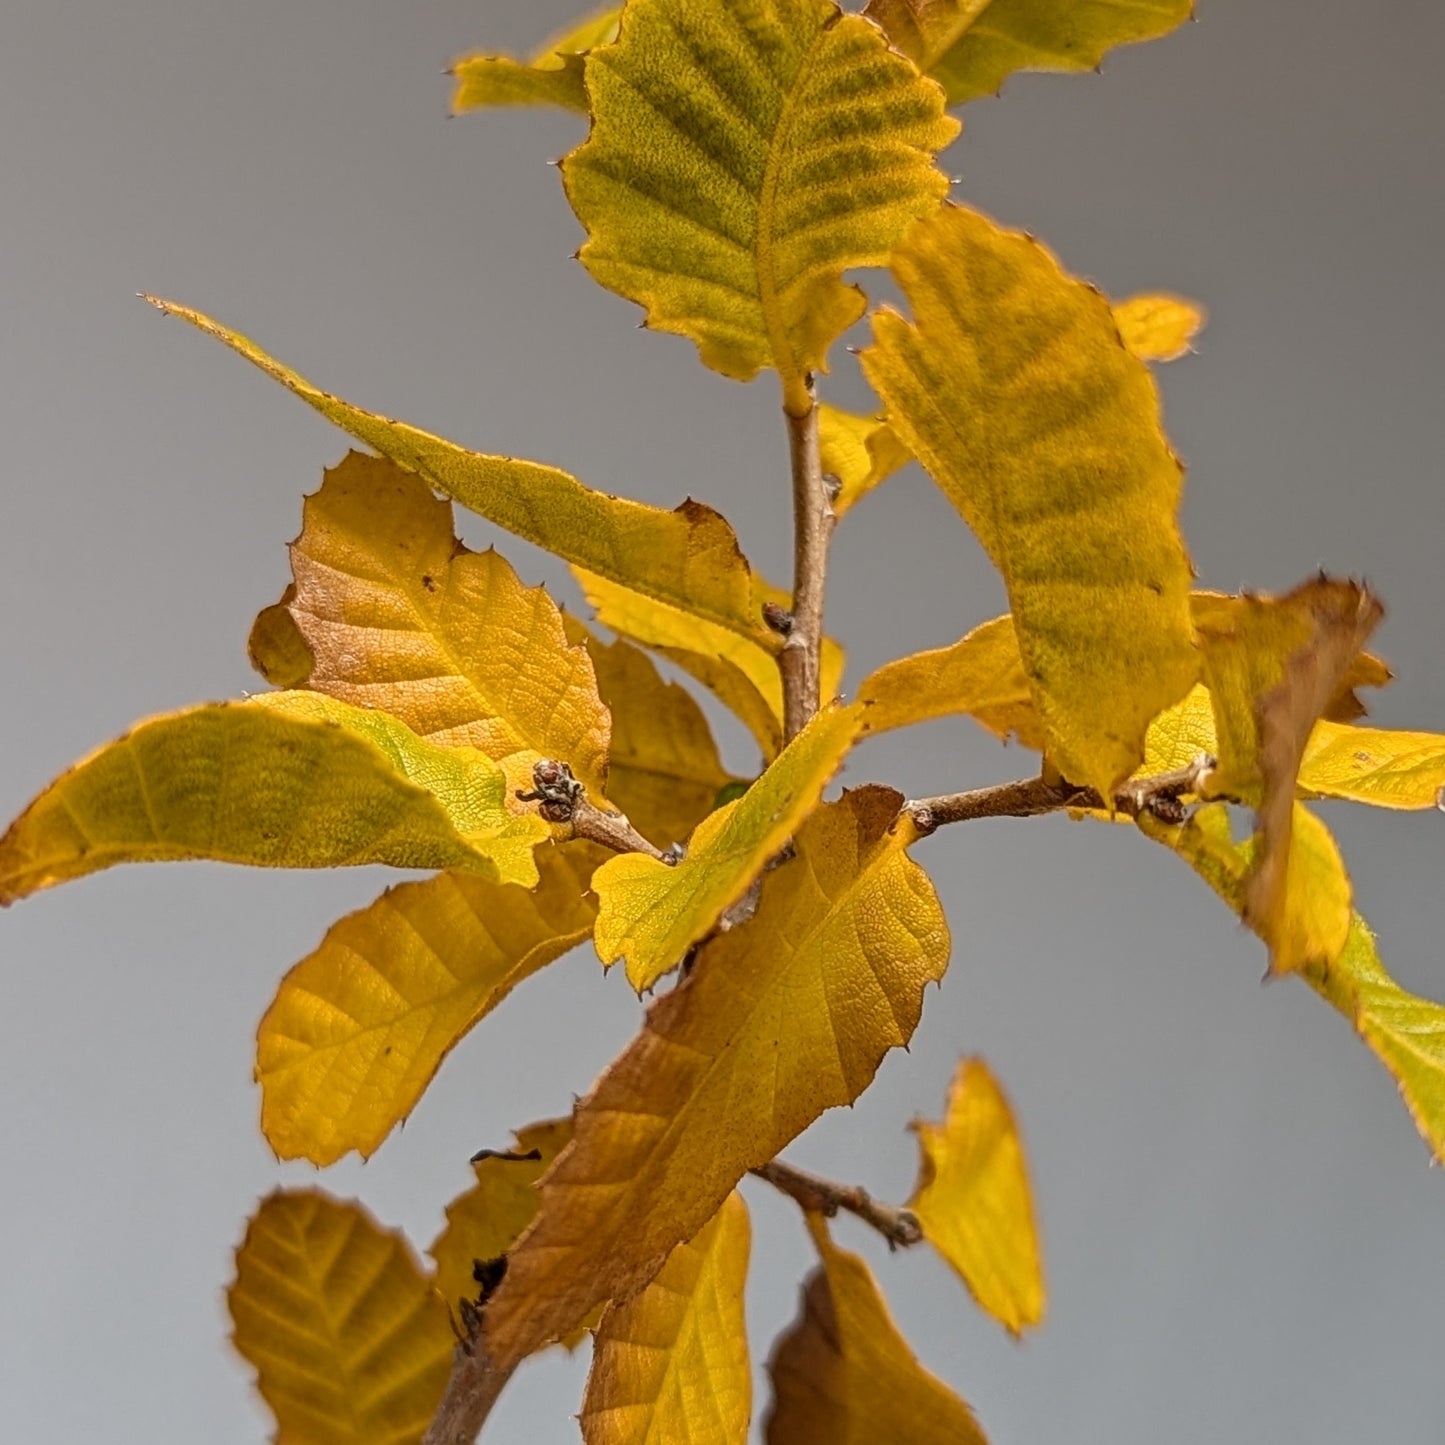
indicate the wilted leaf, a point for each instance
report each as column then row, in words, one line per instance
column 780, row 1019
column 1013, row 389
column 973, row 1198
column 981, row 675
column 843, row 1375
column 1373, row 765
column 663, row 768
column 742, row 157
column 349, row 1343
column 553, row 76
column 743, row 676
column 651, row 912
column 1271, row 675
column 288, row 780
column 971, row 46
column 671, row 1365
column 400, row 616
column 1406, row 1033
column 688, row 557
column 483, row 1224
column 276, row 647
column 359, row 1027
column 861, row 451
column 1158, row 328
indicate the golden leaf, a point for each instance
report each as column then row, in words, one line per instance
column 398, row 615
column 1271, row 675
column 359, row 1027
column 1405, row 1032
column 1373, row 765
column 843, row 1375
column 663, row 768
column 672, row 1364
column 973, row 1198
column 972, row 46
column 483, row 1224
column 743, row 676
column 553, row 76
column 781, row 1018
column 276, row 648
column 349, row 1343
column 288, row 780
column 688, row 557
column 861, row 451
column 1013, row 389
column 742, row 157
column 1158, row 328
column 652, row 912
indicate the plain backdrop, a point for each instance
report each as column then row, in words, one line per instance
column 1244, row 1240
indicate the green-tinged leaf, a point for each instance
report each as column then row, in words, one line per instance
column 483, row 1224
column 651, row 912
column 1013, row 389
column 553, row 76
column 688, row 558
column 780, row 1018
column 843, row 1375
column 972, row 46
column 1405, row 1032
column 349, row 1342
column 1272, row 674
column 1373, row 765
column 743, row 676
column 981, row 675
column 1180, row 734
column 742, row 157
column 671, row 1365
column 663, row 768
column 359, row 1027
column 974, row 1202
column 288, row 780
column 860, row 451
column 1158, row 328
column 398, row 615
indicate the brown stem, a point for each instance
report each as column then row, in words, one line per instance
column 612, row 830
column 900, row 1227
column 812, row 527
column 1159, row 795
column 471, row 1392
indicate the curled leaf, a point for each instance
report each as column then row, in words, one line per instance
column 1158, row 328
column 860, row 451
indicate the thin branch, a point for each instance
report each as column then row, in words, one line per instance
column 1159, row 795
column 564, row 800
column 471, row 1392
column 900, row 1227
column 812, row 526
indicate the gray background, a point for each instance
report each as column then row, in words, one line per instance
column 1243, row 1238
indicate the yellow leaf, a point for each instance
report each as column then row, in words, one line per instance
column 483, row 1224
column 1405, row 1032
column 663, row 769
column 1180, row 734
column 861, row 451
column 742, row 157
column 349, row 1343
column 289, row 780
column 688, row 557
column 981, row 675
column 671, row 1365
column 651, row 912
column 1013, row 389
column 553, row 76
column 971, row 46
column 781, row 1018
column 359, row 1027
column 1271, row 674
column 276, row 647
column 1373, row 765
column 843, row 1375
column 1158, row 328
column 973, row 1198
column 399, row 615
column 743, row 676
